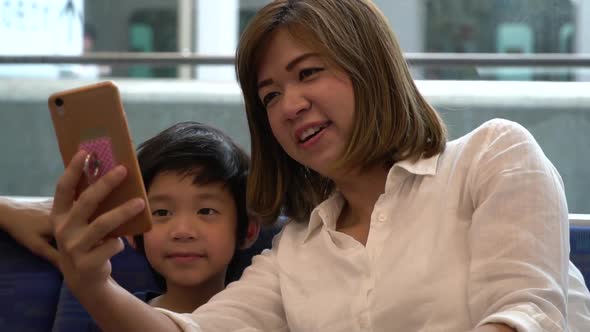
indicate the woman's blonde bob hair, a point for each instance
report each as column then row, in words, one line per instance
column 392, row 121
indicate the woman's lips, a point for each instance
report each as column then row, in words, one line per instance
column 310, row 142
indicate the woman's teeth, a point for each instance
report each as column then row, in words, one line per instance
column 309, row 132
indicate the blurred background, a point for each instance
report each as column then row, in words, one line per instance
column 523, row 60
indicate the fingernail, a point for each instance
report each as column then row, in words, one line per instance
column 138, row 204
column 80, row 154
column 120, row 171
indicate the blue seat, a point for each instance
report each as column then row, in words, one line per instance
column 129, row 269
column 29, row 289
column 580, row 250
column 132, row 272
column 33, row 297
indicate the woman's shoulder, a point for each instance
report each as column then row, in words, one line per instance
column 292, row 230
column 291, row 236
column 494, row 129
column 497, row 144
column 495, row 134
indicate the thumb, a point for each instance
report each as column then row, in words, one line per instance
column 41, row 248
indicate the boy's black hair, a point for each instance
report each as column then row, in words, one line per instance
column 203, row 152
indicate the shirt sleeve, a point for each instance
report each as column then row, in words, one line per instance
column 253, row 303
column 519, row 236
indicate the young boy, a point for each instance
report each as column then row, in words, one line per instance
column 195, row 178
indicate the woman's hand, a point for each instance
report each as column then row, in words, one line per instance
column 28, row 223
column 84, row 247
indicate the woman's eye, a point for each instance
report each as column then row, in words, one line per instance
column 268, row 98
column 160, row 213
column 207, row 211
column 305, row 73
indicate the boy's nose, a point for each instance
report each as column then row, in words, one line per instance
column 183, row 235
column 184, row 228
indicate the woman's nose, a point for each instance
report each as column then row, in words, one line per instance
column 294, row 102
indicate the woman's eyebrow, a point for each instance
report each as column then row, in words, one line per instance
column 298, row 59
column 264, row 83
column 288, row 67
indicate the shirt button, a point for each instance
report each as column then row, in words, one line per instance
column 382, row 217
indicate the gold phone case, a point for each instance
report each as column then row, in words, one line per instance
column 92, row 118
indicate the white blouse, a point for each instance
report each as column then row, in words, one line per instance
column 478, row 234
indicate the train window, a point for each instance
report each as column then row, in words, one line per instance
column 506, row 26
column 152, row 30
column 550, row 100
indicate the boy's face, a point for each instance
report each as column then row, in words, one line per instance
column 194, row 229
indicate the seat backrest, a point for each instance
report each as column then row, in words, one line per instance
column 580, row 250
column 132, row 272
column 129, row 269
column 32, row 297
column 29, row 288
column 243, row 258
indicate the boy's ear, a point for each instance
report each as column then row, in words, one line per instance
column 252, row 232
column 131, row 241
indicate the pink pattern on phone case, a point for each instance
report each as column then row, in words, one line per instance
column 101, row 157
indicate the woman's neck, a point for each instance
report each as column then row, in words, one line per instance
column 184, row 299
column 361, row 190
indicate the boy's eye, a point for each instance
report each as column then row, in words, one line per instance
column 207, row 211
column 160, row 213
column 307, row 72
column 268, row 98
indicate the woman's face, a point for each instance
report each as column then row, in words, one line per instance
column 309, row 103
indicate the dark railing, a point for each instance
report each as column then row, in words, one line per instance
column 414, row 59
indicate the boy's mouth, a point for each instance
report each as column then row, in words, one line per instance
column 185, row 256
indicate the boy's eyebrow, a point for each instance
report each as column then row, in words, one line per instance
column 208, row 195
column 159, row 197
column 288, row 67
column 201, row 196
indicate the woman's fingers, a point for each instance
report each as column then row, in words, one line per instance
column 41, row 247
column 95, row 259
column 104, row 225
column 84, row 249
column 65, row 190
column 70, row 219
column 96, row 193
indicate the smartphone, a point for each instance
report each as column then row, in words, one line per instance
column 92, row 118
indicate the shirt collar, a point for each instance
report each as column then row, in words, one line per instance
column 422, row 166
column 325, row 214
column 328, row 211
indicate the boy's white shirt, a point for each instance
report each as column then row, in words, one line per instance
column 478, row 234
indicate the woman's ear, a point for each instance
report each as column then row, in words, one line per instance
column 131, row 241
column 252, row 232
